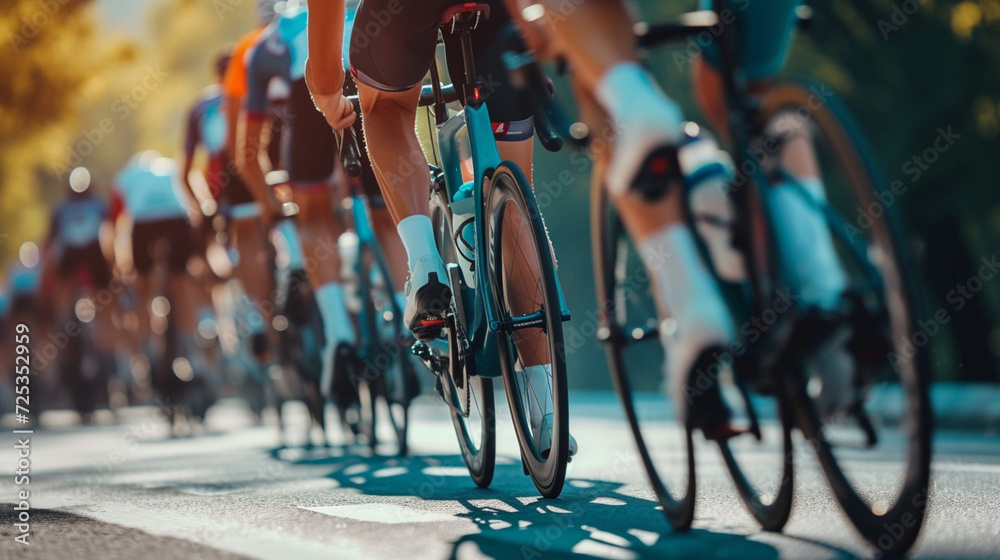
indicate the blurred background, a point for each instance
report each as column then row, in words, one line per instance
column 90, row 82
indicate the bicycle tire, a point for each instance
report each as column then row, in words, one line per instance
column 606, row 231
column 830, row 120
column 509, row 189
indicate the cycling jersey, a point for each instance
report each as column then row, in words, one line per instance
column 392, row 48
column 765, row 35
column 76, row 222
column 234, row 83
column 309, row 150
column 207, row 126
column 23, row 281
column 149, row 191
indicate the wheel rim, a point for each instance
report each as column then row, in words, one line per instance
column 523, row 287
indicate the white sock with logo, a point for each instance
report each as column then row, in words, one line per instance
column 814, row 270
column 417, row 234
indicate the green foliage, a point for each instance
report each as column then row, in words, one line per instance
column 48, row 58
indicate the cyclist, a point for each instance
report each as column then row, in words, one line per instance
column 310, row 159
column 391, row 49
column 646, row 164
column 247, row 231
column 207, row 128
column 148, row 195
column 74, row 242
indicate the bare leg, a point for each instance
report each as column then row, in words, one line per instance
column 395, row 153
column 392, row 247
column 319, row 230
column 254, row 271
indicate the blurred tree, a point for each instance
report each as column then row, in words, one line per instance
column 913, row 71
column 48, row 59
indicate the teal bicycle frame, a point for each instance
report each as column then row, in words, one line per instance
column 482, row 317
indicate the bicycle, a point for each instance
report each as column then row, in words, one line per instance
column 766, row 384
column 300, row 332
column 486, row 318
column 381, row 369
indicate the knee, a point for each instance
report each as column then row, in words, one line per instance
column 381, row 106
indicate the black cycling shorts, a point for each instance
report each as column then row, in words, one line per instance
column 233, row 189
column 89, row 258
column 393, row 42
column 171, row 240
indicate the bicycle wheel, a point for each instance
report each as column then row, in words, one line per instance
column 476, row 432
column 882, row 309
column 628, row 329
column 523, row 288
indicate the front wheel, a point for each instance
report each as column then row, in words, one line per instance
column 524, row 293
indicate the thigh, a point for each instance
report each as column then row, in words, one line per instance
column 392, row 43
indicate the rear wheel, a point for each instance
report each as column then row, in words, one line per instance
column 889, row 420
column 635, row 357
column 523, row 287
column 476, row 432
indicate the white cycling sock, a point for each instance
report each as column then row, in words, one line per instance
column 632, row 97
column 417, row 234
column 536, row 392
column 813, row 268
column 684, row 289
column 337, row 324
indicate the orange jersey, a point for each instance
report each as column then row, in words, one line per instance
column 234, row 84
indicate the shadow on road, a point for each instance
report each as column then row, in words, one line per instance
column 591, row 519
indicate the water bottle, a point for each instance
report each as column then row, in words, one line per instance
column 708, row 172
column 463, row 223
column 349, row 249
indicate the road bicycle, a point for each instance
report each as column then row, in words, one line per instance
column 765, row 378
column 496, row 308
column 382, row 370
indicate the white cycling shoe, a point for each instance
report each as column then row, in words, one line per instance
column 543, row 437
column 428, row 298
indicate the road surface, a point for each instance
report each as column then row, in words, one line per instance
column 125, row 490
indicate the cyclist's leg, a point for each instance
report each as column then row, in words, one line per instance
column 391, row 245
column 813, row 269
column 597, row 39
column 389, row 69
column 683, row 288
column 253, row 270
column 766, row 34
column 629, row 119
column 319, row 229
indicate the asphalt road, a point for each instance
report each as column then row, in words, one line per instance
column 125, row 490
